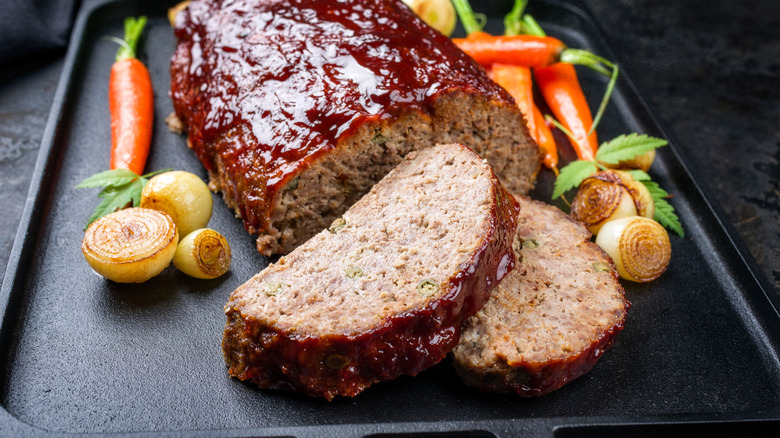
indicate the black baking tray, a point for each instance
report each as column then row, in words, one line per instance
column 84, row 356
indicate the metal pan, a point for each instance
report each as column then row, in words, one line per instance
column 84, row 356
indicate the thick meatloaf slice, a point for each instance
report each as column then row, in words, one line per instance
column 297, row 108
column 384, row 290
column 550, row 319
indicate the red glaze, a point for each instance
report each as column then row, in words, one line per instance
column 406, row 344
column 293, row 78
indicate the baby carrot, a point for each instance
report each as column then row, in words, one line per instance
column 544, row 137
column 517, row 81
column 131, row 103
column 523, row 50
column 561, row 90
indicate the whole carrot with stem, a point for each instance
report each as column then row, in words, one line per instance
column 524, row 43
column 517, row 81
column 131, row 103
column 561, row 89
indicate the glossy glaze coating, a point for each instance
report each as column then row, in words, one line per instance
column 293, row 78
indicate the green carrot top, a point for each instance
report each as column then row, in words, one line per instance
column 133, row 29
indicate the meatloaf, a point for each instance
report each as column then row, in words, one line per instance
column 550, row 319
column 384, row 290
column 297, row 107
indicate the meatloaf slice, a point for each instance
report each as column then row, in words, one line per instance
column 297, row 107
column 550, row 319
column 384, row 290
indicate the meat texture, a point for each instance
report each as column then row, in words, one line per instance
column 383, row 291
column 552, row 318
column 297, row 107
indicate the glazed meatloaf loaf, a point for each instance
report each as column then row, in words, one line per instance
column 551, row 319
column 297, row 107
column 384, row 290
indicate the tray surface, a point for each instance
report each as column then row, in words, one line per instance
column 83, row 355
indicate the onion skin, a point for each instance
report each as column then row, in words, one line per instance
column 183, row 196
column 639, row 247
column 204, row 254
column 600, row 200
column 643, row 200
column 130, row 245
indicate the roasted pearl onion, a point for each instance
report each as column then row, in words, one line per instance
column 204, row 253
column 639, row 247
column 183, row 196
column 439, row 14
column 599, row 201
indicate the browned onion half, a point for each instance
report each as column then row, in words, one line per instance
column 130, row 245
column 643, row 200
column 204, row 253
column 639, row 247
column 598, row 201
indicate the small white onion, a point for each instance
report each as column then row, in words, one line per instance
column 642, row 162
column 639, row 247
column 439, row 14
column 174, row 11
column 183, row 196
column 643, row 200
column 204, row 253
column 598, row 201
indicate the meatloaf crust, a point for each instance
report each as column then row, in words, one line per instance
column 384, row 291
column 552, row 318
column 297, row 107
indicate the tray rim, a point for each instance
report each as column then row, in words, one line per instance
column 45, row 166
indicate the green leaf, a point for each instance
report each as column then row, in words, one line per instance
column 108, row 178
column 664, row 212
column 156, row 172
column 626, row 147
column 638, row 175
column 572, row 175
column 120, row 188
column 115, row 198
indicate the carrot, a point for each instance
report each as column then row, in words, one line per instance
column 522, row 50
column 517, row 81
column 545, row 139
column 561, row 90
column 131, row 103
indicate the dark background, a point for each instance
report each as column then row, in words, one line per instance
column 710, row 69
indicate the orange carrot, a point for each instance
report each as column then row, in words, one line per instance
column 523, row 50
column 131, row 103
column 561, row 90
column 544, row 137
column 517, row 81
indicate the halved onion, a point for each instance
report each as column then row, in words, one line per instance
column 183, row 196
column 130, row 245
column 639, row 247
column 439, row 14
column 643, row 200
column 204, row 253
column 599, row 201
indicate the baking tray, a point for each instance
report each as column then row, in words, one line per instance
column 84, row 356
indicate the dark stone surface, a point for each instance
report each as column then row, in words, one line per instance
column 711, row 70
